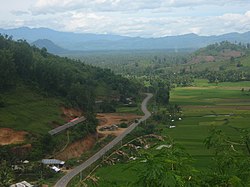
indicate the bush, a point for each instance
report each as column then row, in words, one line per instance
column 123, row 125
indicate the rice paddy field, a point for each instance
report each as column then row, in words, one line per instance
column 204, row 105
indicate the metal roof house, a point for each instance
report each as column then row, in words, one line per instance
column 22, row 184
column 52, row 162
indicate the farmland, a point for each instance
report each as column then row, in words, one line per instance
column 204, row 106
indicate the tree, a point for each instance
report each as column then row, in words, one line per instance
column 23, row 58
column 162, row 94
column 169, row 167
column 7, row 70
column 6, row 174
column 231, row 158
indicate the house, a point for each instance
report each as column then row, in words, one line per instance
column 22, row 184
column 56, row 169
column 53, row 162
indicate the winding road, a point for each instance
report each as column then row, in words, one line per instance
column 63, row 182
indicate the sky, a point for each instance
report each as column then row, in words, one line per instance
column 143, row 18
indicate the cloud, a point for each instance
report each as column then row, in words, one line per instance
column 51, row 6
column 148, row 26
column 144, row 18
column 19, row 12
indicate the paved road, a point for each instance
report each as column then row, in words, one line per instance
column 66, row 178
column 66, row 126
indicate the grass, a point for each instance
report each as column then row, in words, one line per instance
column 125, row 109
column 28, row 110
column 132, row 109
column 207, row 105
column 204, row 106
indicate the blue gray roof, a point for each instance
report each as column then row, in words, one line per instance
column 52, row 161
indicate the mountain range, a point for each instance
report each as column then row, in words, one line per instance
column 65, row 42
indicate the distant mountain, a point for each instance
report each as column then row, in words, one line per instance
column 92, row 42
column 50, row 46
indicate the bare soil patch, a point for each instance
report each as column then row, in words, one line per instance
column 70, row 113
column 10, row 136
column 229, row 54
column 108, row 119
column 77, row 148
column 204, row 58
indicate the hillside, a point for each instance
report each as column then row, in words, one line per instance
column 40, row 91
column 50, row 46
column 93, row 42
column 219, row 52
column 220, row 62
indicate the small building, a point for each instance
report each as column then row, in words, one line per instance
column 22, row 184
column 26, row 162
column 53, row 162
column 171, row 126
column 56, row 169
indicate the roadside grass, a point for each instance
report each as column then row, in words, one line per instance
column 118, row 175
column 203, row 109
column 132, row 109
column 29, row 111
column 126, row 109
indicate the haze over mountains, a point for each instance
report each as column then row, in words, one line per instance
column 66, row 42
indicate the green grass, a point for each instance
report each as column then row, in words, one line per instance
column 125, row 109
column 204, row 83
column 28, row 110
column 204, row 106
column 120, row 175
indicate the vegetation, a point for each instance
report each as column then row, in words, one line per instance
column 35, row 85
column 213, row 156
column 210, row 142
column 63, row 77
column 201, row 101
column 219, row 62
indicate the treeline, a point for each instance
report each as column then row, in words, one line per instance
column 216, row 48
column 223, row 76
column 71, row 79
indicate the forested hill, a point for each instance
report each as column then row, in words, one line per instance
column 220, row 62
column 220, row 52
column 78, row 83
column 50, row 46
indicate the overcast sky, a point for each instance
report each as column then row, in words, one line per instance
column 145, row 18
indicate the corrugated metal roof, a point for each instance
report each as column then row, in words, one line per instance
column 22, row 184
column 52, row 161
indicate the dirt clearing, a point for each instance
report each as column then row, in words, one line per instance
column 70, row 113
column 108, row 119
column 10, row 136
column 77, row 148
